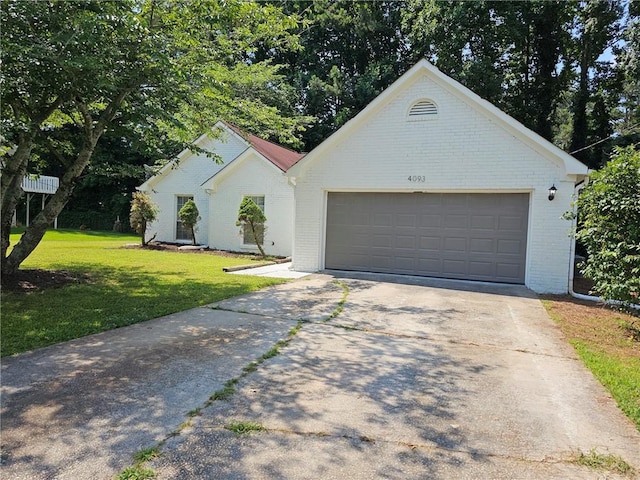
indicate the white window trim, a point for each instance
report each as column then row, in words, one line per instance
column 177, row 218
column 253, row 246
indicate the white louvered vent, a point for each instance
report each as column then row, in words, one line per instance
column 422, row 110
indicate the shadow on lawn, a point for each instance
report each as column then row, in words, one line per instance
column 112, row 298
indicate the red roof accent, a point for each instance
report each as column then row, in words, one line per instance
column 281, row 157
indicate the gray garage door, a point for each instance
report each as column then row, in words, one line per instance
column 464, row 236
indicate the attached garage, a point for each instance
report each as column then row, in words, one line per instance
column 432, row 180
column 470, row 236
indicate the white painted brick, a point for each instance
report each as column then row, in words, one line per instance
column 219, row 210
column 460, row 150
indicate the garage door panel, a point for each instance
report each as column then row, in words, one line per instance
column 511, row 247
column 481, row 245
column 455, row 244
column 465, row 236
column 486, row 222
column 432, row 220
column 482, row 269
column 429, row 265
column 383, row 219
column 382, row 262
column 508, row 270
column 406, row 241
column 406, row 220
column 510, row 222
column 382, row 241
column 454, row 268
column 406, row 263
column 456, row 221
column 430, row 243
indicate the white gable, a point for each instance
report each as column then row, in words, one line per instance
column 185, row 176
column 425, row 84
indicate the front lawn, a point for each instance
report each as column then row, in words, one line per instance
column 117, row 286
column 608, row 341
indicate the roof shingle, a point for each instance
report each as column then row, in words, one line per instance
column 281, row 157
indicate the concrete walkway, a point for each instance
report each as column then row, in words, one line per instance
column 431, row 380
column 279, row 270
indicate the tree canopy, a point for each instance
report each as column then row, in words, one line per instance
column 159, row 71
column 94, row 91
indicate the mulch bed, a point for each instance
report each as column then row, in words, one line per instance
column 33, row 280
column 173, row 247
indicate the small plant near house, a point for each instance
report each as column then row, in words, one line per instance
column 143, row 212
column 252, row 217
column 189, row 217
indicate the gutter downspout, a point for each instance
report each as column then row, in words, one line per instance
column 572, row 250
column 591, row 298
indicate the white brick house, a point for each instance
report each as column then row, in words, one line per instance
column 250, row 166
column 430, row 179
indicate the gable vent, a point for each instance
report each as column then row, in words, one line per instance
column 422, row 109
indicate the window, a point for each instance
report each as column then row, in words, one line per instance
column 181, row 232
column 247, row 236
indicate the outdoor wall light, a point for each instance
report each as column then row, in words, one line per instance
column 552, row 192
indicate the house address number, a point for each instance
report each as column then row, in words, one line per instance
column 417, row 178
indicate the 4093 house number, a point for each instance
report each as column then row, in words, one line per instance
column 417, row 178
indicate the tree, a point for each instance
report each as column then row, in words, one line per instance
column 509, row 53
column 598, row 28
column 143, row 212
column 609, row 212
column 189, row 217
column 351, row 52
column 162, row 71
column 628, row 65
column 251, row 216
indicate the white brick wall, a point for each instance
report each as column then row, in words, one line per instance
column 461, row 150
column 252, row 177
column 185, row 179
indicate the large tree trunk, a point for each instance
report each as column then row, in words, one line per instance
column 580, row 125
column 92, row 131
column 37, row 228
column 13, row 171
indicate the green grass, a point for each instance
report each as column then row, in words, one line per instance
column 600, row 461
column 136, row 472
column 126, row 286
column 621, row 378
column 607, row 342
column 242, row 428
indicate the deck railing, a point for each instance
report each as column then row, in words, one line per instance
column 40, row 184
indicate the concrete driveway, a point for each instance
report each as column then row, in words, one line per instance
column 431, row 380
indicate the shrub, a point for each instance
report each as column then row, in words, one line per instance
column 143, row 212
column 189, row 217
column 609, row 211
column 251, row 216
